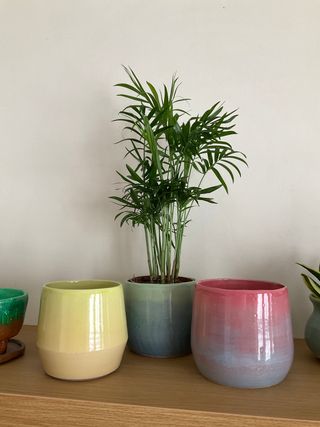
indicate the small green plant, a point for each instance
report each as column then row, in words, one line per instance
column 312, row 282
column 168, row 156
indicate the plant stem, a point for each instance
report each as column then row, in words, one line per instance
column 169, row 241
column 164, row 246
column 146, row 234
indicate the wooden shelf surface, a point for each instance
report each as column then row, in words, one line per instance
column 146, row 392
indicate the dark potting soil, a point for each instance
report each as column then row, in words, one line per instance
column 146, row 279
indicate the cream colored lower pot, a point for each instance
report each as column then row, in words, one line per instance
column 82, row 330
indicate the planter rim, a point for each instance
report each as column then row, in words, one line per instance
column 190, row 282
column 17, row 294
column 83, row 286
column 240, row 286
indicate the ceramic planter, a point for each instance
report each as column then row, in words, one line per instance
column 82, row 329
column 241, row 332
column 13, row 304
column 159, row 318
column 312, row 330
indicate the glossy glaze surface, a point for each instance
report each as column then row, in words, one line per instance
column 312, row 329
column 13, row 304
column 241, row 332
column 82, row 329
column 159, row 318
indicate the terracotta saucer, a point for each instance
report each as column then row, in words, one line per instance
column 15, row 349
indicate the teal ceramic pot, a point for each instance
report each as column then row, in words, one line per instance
column 312, row 330
column 13, row 303
column 159, row 318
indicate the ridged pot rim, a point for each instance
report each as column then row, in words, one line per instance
column 190, row 282
column 21, row 294
column 82, row 286
column 240, row 286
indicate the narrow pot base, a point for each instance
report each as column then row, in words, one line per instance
column 155, row 356
column 264, row 376
column 81, row 366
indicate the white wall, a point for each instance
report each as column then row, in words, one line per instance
column 59, row 61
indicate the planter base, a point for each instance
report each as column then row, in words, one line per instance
column 169, row 356
column 15, row 348
column 81, row 366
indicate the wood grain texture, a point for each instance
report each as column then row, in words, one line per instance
column 39, row 411
column 159, row 392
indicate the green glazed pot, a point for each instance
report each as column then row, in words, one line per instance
column 159, row 318
column 13, row 303
column 312, row 330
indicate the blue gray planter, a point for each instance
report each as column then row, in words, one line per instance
column 312, row 330
column 159, row 318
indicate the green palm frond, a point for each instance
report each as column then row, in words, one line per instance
column 313, row 282
column 165, row 151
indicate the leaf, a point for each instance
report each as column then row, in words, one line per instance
column 206, row 199
column 181, row 100
column 315, row 273
column 118, row 199
column 124, row 202
column 312, row 285
column 231, row 118
column 134, row 98
column 138, row 117
column 220, row 178
column 124, row 219
column 233, row 165
column 154, row 93
column 152, row 145
column 228, row 170
column 210, row 189
column 162, row 130
column 226, row 133
column 134, row 78
column 134, row 131
column 126, row 179
column 210, row 158
column 125, row 120
column 134, row 174
column 211, row 114
column 129, row 87
column 238, row 158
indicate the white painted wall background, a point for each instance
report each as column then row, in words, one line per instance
column 59, row 61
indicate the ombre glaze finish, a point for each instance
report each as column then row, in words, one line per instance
column 241, row 332
column 159, row 318
column 13, row 304
column 82, row 329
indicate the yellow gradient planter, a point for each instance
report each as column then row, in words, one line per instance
column 82, row 330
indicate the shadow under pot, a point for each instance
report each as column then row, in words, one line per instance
column 241, row 332
column 82, row 329
column 159, row 317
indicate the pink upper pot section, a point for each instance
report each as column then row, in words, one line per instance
column 236, row 285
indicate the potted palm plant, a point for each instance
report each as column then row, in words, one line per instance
column 170, row 161
column 312, row 329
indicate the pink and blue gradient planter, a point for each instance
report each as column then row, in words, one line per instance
column 241, row 332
